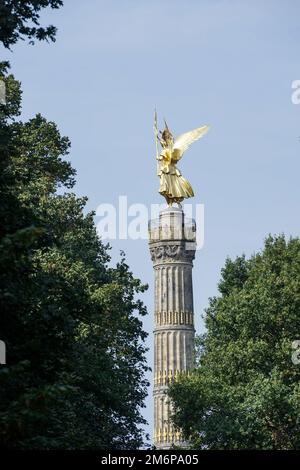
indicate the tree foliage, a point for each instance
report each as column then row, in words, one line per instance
column 245, row 390
column 71, row 322
column 21, row 18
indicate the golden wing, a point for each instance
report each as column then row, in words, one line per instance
column 183, row 141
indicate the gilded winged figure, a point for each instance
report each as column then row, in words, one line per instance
column 173, row 186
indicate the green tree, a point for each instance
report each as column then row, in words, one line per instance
column 71, row 322
column 20, row 19
column 245, row 390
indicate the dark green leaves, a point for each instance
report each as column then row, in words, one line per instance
column 20, row 19
column 72, row 324
column 244, row 393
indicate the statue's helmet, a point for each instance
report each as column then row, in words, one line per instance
column 167, row 135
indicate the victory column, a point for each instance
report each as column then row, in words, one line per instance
column 172, row 242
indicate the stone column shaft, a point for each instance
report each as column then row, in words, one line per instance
column 172, row 247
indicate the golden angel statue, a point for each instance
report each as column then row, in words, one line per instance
column 173, row 186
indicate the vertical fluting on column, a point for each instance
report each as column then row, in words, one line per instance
column 172, row 246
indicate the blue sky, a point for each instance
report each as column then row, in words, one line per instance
column 223, row 62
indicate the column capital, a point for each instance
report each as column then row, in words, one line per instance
column 172, row 251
